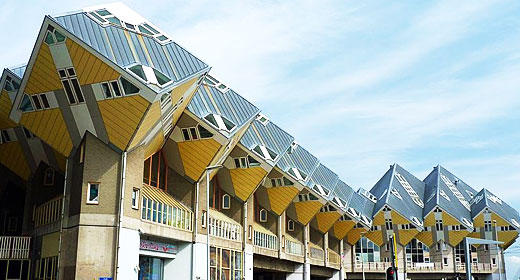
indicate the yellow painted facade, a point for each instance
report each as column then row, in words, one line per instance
column 376, row 237
column 397, row 219
column 354, row 235
column 379, row 219
column 153, row 115
column 245, row 180
column 121, row 117
column 49, row 126
column 429, row 221
column 508, row 237
column 197, row 155
column 500, row 221
column 425, row 237
column 178, row 92
column 281, row 197
column 326, row 220
column 456, row 236
column 341, row 228
column 478, row 221
column 448, row 220
column 43, row 76
column 89, row 68
column 14, row 159
column 306, row 210
column 406, row 235
column 155, row 144
column 5, row 108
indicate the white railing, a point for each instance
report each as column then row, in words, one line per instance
column 47, row 213
column 166, row 214
column 294, row 248
column 15, row 247
column 371, row 266
column 439, row 267
column 223, row 229
column 264, row 240
column 316, row 252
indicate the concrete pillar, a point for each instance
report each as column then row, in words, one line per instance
column 306, row 265
column 342, row 261
column 336, row 275
column 325, row 248
column 249, row 216
column 128, row 260
column 298, row 273
column 280, row 233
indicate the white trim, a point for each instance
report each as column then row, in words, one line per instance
column 94, row 202
column 157, row 254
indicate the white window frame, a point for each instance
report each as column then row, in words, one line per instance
column 262, row 215
column 243, row 162
column 298, row 176
column 278, row 182
column 111, row 89
column 409, row 189
column 40, row 101
column 69, row 78
column 89, row 201
column 262, row 119
column 290, row 225
column 224, row 197
column 265, row 153
column 135, row 198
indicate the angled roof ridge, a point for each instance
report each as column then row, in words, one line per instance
column 390, row 184
column 437, row 189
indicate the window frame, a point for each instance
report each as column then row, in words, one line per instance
column 69, row 79
column 263, row 213
column 88, row 200
column 290, row 225
column 135, row 201
column 224, row 197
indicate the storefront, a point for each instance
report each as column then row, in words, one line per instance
column 153, row 257
column 225, row 264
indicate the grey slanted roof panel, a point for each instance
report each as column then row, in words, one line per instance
column 479, row 203
column 499, row 207
column 430, row 192
column 453, row 206
column 405, row 205
column 342, row 191
column 380, row 190
column 299, row 158
column 362, row 205
column 111, row 42
column 18, row 70
column 229, row 104
column 325, row 177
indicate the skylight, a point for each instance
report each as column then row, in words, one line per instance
column 211, row 81
column 265, row 152
column 262, row 119
column 220, row 122
column 396, row 193
column 149, row 75
column 321, row 190
column 443, row 194
column 408, row 188
column 456, row 192
column 297, row 174
column 10, row 84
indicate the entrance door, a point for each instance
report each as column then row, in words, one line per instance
column 150, row 268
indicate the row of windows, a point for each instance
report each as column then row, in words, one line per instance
column 165, row 214
column 195, row 133
column 280, row 182
column 245, row 162
column 11, row 84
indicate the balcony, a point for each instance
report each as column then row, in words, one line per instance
column 334, row 258
column 266, row 242
column 316, row 254
column 477, row 268
column 48, row 212
column 221, row 226
column 160, row 208
column 460, row 268
column 15, row 247
column 368, row 266
column 293, row 246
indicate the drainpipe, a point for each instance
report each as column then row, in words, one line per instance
column 195, row 231
column 120, row 214
column 62, row 211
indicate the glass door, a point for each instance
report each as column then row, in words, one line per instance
column 150, row 268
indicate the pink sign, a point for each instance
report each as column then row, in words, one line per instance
column 158, row 247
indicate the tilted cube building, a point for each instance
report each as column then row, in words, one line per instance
column 121, row 156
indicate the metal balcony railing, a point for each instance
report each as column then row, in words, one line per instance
column 48, row 212
column 293, row 247
column 159, row 207
column 15, row 247
column 224, row 227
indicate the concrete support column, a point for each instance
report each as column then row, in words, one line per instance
column 298, row 273
column 336, row 275
column 27, row 209
column 307, row 264
column 325, row 248
column 249, row 216
column 342, row 261
column 280, row 232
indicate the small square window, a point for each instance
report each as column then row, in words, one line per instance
column 93, row 193
column 135, row 198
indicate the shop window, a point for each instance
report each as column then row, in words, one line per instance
column 135, row 198
column 225, row 264
column 290, row 225
column 226, row 201
column 71, row 85
column 156, row 171
column 263, row 215
column 93, row 193
column 48, row 177
column 151, row 268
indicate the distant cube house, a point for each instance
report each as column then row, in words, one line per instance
column 108, row 136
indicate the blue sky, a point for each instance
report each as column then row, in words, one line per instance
column 359, row 83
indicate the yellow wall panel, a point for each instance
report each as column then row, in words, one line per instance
column 429, row 221
column 280, row 198
column 425, row 237
column 379, row 219
column 89, row 68
column 456, row 236
column 478, row 221
column 5, row 108
column 121, row 117
column 398, row 219
column 508, row 237
column 155, row 144
column 500, row 221
column 43, row 76
column 354, row 235
column 14, row 159
column 341, row 228
column 153, row 115
column 245, row 180
column 448, row 220
column 49, row 126
column 306, row 210
column 376, row 237
column 406, row 235
column 197, row 155
column 325, row 220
